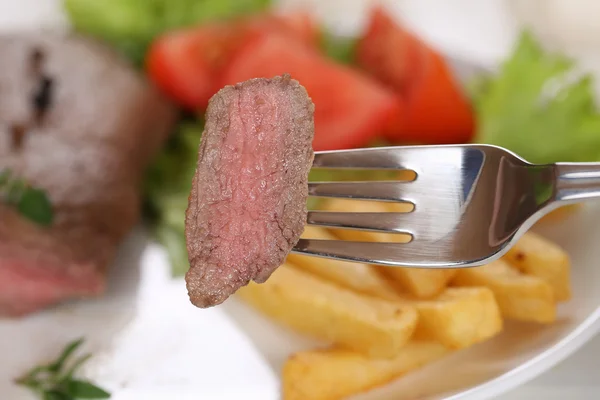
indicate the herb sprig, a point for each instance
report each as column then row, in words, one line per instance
column 32, row 203
column 55, row 381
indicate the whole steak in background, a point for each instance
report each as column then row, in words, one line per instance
column 79, row 123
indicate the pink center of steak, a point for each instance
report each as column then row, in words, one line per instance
column 245, row 221
column 38, row 285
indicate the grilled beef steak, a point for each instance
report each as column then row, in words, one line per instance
column 247, row 208
column 79, row 123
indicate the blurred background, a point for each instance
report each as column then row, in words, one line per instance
column 522, row 74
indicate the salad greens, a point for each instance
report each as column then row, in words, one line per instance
column 131, row 25
column 539, row 107
column 340, row 49
column 55, row 381
column 32, row 203
column 168, row 185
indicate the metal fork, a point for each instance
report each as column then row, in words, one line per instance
column 471, row 203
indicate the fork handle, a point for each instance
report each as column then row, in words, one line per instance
column 577, row 182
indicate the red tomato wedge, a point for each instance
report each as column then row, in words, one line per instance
column 300, row 25
column 435, row 109
column 350, row 108
column 185, row 64
column 397, row 70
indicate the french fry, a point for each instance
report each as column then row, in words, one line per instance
column 420, row 282
column 459, row 317
column 309, row 305
column 520, row 297
column 537, row 256
column 560, row 214
column 359, row 277
column 406, row 175
column 335, row 374
column 364, row 206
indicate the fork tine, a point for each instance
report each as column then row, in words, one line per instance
column 414, row 254
column 373, row 158
column 381, row 191
column 376, row 222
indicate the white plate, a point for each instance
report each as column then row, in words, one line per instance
column 151, row 343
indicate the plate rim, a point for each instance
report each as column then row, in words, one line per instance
column 536, row 366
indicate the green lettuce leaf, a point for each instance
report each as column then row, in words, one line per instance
column 340, row 49
column 539, row 107
column 131, row 25
column 167, row 187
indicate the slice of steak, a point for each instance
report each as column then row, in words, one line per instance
column 247, row 208
column 80, row 123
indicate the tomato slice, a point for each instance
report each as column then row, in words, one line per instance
column 383, row 35
column 437, row 112
column 435, row 109
column 300, row 25
column 186, row 64
column 350, row 108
